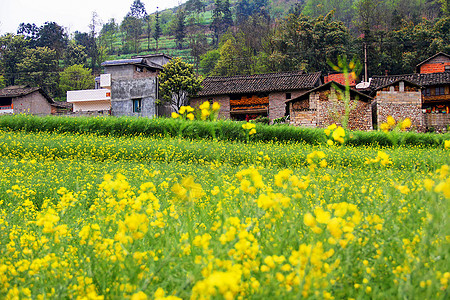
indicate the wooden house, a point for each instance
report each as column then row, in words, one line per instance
column 250, row 96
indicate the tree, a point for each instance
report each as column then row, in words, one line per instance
column 39, row 68
column 221, row 19
column 133, row 22
column 157, row 32
column 76, row 77
column 12, row 51
column 177, row 81
column 30, row 32
column 196, row 6
column 53, row 36
column 2, row 82
column 180, row 29
column 132, row 27
column 208, row 61
column 137, row 10
column 108, row 34
column 148, row 30
column 227, row 65
column 75, row 55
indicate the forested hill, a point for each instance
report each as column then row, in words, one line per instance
column 231, row 37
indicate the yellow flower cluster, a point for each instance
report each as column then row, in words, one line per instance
column 209, row 111
column 391, row 124
column 337, row 134
column 250, row 128
column 316, row 158
column 185, row 112
column 382, row 158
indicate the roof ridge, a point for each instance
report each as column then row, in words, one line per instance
column 252, row 76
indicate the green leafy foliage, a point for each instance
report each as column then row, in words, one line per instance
column 39, row 68
column 76, row 77
column 177, row 81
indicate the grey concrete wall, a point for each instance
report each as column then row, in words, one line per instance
column 124, row 91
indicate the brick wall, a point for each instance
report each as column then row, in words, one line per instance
column 277, row 102
column 435, row 65
column 433, row 68
column 400, row 105
column 339, row 78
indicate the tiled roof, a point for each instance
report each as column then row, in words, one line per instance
column 420, row 79
column 17, row 91
column 132, row 61
column 259, row 83
column 22, row 90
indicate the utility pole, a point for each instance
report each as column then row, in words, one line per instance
column 365, row 62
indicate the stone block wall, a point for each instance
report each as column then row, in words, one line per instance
column 319, row 111
column 400, row 105
column 330, row 111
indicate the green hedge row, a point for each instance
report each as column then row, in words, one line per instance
column 222, row 130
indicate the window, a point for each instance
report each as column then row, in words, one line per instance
column 137, row 105
column 447, row 68
column 440, row 90
column 427, row 92
column 288, row 96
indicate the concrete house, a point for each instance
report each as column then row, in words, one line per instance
column 249, row 96
column 28, row 100
column 129, row 87
column 321, row 107
column 93, row 102
column 134, row 84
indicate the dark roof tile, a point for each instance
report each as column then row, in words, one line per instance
column 22, row 90
column 259, row 83
column 419, row 79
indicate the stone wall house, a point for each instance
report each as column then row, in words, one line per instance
column 435, row 99
column 321, row 107
column 400, row 99
column 27, row 100
column 249, row 96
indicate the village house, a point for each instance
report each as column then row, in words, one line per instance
column 434, row 100
column 28, row 100
column 399, row 99
column 129, row 87
column 323, row 106
column 249, row 96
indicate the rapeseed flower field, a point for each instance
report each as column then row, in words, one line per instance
column 91, row 217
